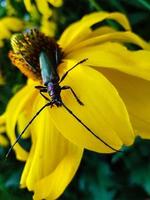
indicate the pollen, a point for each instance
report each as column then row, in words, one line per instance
column 26, row 51
column 23, row 66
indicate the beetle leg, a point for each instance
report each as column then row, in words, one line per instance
column 42, row 90
column 74, row 94
column 39, row 87
column 41, row 93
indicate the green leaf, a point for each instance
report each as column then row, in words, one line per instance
column 141, row 176
column 144, row 3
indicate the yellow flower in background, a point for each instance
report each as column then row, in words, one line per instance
column 8, row 25
column 106, row 83
column 42, row 5
column 48, row 25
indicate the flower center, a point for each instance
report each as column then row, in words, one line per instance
column 27, row 48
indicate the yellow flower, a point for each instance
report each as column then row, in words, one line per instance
column 106, row 83
column 42, row 5
column 48, row 25
column 9, row 25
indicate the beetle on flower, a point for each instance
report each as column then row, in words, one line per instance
column 105, row 83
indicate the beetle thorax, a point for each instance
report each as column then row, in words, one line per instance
column 54, row 92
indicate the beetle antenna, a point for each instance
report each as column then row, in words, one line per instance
column 87, row 128
column 66, row 73
column 30, row 122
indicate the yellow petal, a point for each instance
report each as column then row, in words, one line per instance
column 121, row 37
column 2, row 129
column 3, row 140
column 3, row 119
column 57, row 181
column 52, row 158
column 114, row 55
column 79, row 31
column 44, row 8
column 101, row 31
column 56, row 3
column 12, row 23
column 26, row 170
column 48, row 27
column 4, row 33
column 20, row 102
column 7, row 25
column 103, row 112
column 135, row 92
column 31, row 8
column 23, row 120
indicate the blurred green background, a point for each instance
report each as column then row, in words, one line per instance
column 121, row 176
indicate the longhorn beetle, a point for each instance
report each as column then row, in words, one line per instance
column 44, row 61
